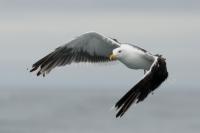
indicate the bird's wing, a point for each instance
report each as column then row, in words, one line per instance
column 152, row 79
column 89, row 47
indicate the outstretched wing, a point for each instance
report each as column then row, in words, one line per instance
column 89, row 47
column 152, row 79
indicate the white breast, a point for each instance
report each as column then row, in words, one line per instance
column 137, row 59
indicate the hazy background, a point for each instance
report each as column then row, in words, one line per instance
column 30, row 29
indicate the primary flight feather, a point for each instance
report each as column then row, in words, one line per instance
column 94, row 47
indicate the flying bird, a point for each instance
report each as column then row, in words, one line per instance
column 94, row 47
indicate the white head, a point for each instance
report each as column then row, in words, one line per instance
column 132, row 57
column 120, row 52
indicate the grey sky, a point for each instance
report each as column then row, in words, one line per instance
column 101, row 5
column 31, row 29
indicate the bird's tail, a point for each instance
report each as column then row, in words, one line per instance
column 153, row 79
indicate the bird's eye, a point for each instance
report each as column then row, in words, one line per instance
column 119, row 51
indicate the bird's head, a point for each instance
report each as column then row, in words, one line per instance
column 117, row 54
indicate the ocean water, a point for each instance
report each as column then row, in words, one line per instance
column 88, row 111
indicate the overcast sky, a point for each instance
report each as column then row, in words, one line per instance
column 30, row 29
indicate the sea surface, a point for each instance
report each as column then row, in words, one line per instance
column 89, row 111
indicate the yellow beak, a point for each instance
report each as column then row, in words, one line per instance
column 112, row 57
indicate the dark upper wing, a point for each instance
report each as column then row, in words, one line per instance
column 153, row 79
column 89, row 47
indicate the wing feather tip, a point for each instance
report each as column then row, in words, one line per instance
column 144, row 87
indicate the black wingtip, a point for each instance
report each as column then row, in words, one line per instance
column 119, row 114
column 143, row 88
column 33, row 69
column 39, row 73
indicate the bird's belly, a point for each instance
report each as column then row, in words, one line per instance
column 137, row 63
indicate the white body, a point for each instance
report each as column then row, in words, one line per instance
column 133, row 57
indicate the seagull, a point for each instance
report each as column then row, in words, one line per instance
column 95, row 48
